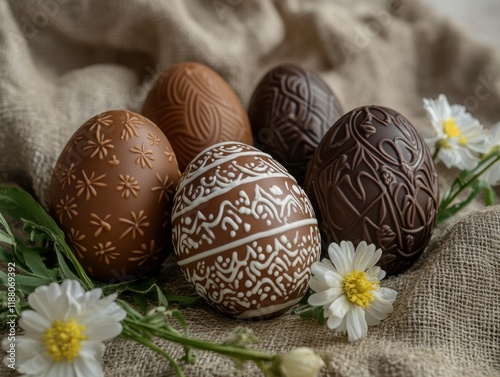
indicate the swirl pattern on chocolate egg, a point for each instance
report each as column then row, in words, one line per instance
column 290, row 111
column 244, row 232
column 196, row 108
column 373, row 179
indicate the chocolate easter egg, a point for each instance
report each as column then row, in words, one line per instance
column 111, row 193
column 290, row 111
column 244, row 232
column 196, row 108
column 372, row 179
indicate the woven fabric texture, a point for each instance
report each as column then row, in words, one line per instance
column 62, row 62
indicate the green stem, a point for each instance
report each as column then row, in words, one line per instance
column 464, row 181
column 235, row 352
column 88, row 284
column 142, row 340
column 436, row 152
column 472, row 180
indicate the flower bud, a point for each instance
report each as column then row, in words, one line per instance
column 301, row 362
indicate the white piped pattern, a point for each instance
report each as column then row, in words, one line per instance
column 244, row 232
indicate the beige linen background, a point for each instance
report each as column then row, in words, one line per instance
column 62, row 61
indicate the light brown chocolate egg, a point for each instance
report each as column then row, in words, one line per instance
column 196, row 108
column 111, row 193
column 244, row 232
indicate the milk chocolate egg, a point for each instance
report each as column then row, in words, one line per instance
column 290, row 111
column 111, row 193
column 372, row 178
column 196, row 108
column 244, row 232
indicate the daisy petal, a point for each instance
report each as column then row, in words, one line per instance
column 334, row 322
column 85, row 366
column 366, row 256
column 318, row 284
column 342, row 328
column 33, row 323
column 323, row 297
column 333, row 279
column 371, row 320
column 30, row 356
column 319, row 268
column 375, row 274
column 93, row 350
column 41, row 296
column 72, row 288
column 379, row 310
column 62, row 369
column 341, row 256
column 340, row 306
column 103, row 331
column 102, row 311
column 92, row 296
column 326, row 312
column 326, row 280
column 357, row 327
column 387, row 294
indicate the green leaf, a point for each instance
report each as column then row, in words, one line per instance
column 314, row 313
column 31, row 281
column 6, row 238
column 38, row 233
column 4, row 256
column 24, row 283
column 490, row 197
column 3, row 278
column 162, row 300
column 18, row 204
column 141, row 300
column 35, row 263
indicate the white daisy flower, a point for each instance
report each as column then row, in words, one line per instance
column 459, row 138
column 301, row 362
column 64, row 332
column 349, row 289
column 492, row 175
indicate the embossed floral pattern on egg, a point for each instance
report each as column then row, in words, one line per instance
column 196, row 108
column 244, row 232
column 111, row 193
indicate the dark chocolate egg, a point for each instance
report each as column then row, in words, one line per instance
column 196, row 108
column 244, row 232
column 111, row 193
column 372, row 179
column 290, row 111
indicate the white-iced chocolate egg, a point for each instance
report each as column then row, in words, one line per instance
column 244, row 232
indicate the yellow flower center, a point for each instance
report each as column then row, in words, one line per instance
column 451, row 130
column 64, row 340
column 358, row 289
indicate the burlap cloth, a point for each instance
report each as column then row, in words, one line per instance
column 63, row 61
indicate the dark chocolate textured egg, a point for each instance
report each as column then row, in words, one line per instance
column 196, row 108
column 111, row 193
column 290, row 111
column 372, row 178
column 244, row 232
